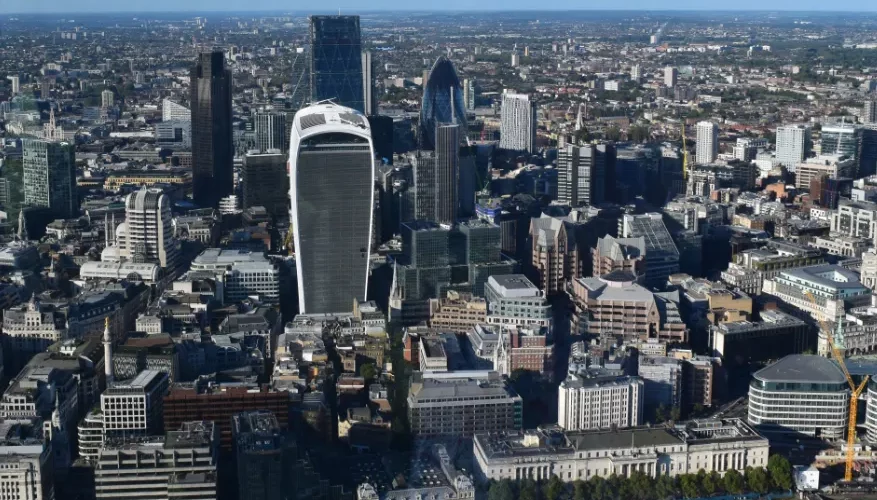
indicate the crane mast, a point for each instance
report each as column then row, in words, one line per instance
column 855, row 391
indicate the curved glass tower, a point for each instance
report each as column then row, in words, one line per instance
column 441, row 89
column 331, row 176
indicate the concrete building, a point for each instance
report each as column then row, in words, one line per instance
column 584, row 174
column 855, row 218
column 242, row 273
column 804, row 394
column 777, row 334
column 831, row 166
column 134, row 407
column 624, row 309
column 619, row 254
column 869, row 111
column 146, row 236
column 793, row 142
column 433, row 357
column 515, row 301
column 555, row 253
column 457, row 312
column 671, row 74
column 707, row 142
column 29, row 329
column 753, row 266
column 662, row 255
column 834, row 288
column 518, row 123
column 446, row 404
column 263, row 451
column 103, row 270
column 708, row 445
column 180, row 464
column 599, row 402
column 26, row 461
column 171, row 111
column 662, row 378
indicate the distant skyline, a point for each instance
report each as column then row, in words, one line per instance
column 354, row 6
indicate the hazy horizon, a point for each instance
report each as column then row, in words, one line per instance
column 353, row 7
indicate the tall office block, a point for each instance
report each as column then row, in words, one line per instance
column 447, row 169
column 671, row 74
column 147, row 233
column 336, row 61
column 868, row 150
column 793, row 143
column 332, row 195
column 270, row 131
column 171, row 111
column 841, row 140
column 300, row 95
column 469, row 93
column 518, row 123
column 212, row 144
column 424, row 169
column 368, row 83
column 443, row 102
column 382, row 136
column 49, row 171
column 266, row 182
column 583, row 174
column 107, row 98
column 15, row 83
column 869, row 111
column 707, row 142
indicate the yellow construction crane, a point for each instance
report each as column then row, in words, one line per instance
column 684, row 154
column 855, row 391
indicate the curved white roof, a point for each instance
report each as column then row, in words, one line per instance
column 330, row 117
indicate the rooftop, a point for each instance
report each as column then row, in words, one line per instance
column 802, row 368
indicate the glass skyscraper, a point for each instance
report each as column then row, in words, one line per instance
column 332, row 194
column 49, row 171
column 212, row 144
column 336, row 61
column 443, row 101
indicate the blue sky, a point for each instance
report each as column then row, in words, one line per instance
column 83, row 6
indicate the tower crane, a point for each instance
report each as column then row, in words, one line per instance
column 684, row 154
column 855, row 390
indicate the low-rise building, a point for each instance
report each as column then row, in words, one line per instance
column 711, row 445
column 513, row 300
column 461, row 404
column 458, row 312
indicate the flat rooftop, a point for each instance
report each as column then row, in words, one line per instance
column 802, row 368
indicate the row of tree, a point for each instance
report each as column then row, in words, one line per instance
column 776, row 477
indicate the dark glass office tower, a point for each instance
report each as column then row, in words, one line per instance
column 49, row 172
column 443, row 102
column 212, row 145
column 868, row 150
column 447, row 168
column 336, row 61
column 332, row 194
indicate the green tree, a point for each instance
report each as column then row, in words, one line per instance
column 711, row 483
column 733, row 482
column 554, row 489
column 642, row 487
column 666, row 487
column 600, row 489
column 660, row 413
column 612, row 133
column 780, row 471
column 581, row 490
column 529, row 490
column 638, row 133
column 368, row 371
column 689, row 485
column 675, row 414
column 757, row 479
column 501, row 490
